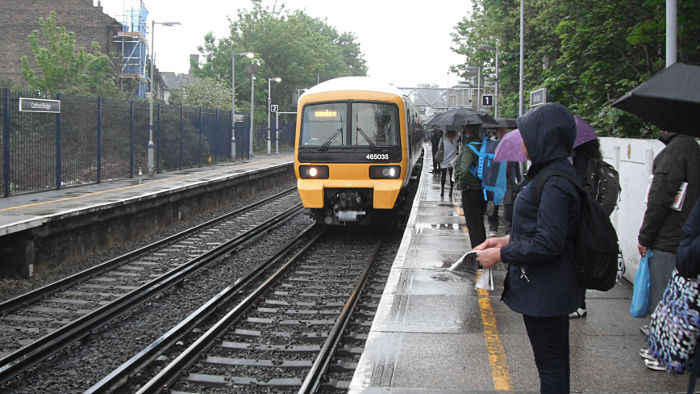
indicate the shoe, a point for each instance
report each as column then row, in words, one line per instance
column 654, row 364
column 580, row 312
column 646, row 354
column 644, row 329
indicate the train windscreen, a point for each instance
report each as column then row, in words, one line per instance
column 371, row 124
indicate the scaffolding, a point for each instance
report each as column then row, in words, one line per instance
column 132, row 42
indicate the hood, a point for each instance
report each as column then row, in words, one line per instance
column 549, row 132
column 667, row 137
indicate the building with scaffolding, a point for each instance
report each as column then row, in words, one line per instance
column 131, row 42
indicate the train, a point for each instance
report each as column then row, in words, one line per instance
column 358, row 141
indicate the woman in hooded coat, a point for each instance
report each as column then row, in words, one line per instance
column 541, row 283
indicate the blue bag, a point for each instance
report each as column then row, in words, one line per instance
column 491, row 173
column 640, row 293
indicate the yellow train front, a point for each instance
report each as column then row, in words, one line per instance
column 357, row 143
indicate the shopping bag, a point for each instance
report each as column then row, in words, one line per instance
column 640, row 293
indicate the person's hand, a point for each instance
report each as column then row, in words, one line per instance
column 489, row 257
column 642, row 249
column 498, row 242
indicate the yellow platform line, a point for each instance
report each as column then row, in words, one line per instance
column 494, row 346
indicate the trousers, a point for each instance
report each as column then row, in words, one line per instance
column 549, row 337
column 474, row 207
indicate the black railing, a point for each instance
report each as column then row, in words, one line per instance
column 92, row 140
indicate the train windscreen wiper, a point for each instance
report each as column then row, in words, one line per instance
column 324, row 146
column 362, row 133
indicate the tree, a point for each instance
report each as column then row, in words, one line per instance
column 587, row 53
column 61, row 67
column 207, row 92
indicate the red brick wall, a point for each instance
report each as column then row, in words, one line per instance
column 18, row 18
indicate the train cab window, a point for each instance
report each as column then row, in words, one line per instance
column 324, row 125
column 374, row 124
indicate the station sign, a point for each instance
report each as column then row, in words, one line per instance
column 486, row 100
column 39, row 105
column 538, row 97
column 274, row 108
column 239, row 118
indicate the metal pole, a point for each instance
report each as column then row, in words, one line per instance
column 269, row 101
column 58, row 146
column 495, row 102
column 478, row 89
column 151, row 147
column 277, row 132
column 233, row 106
column 671, row 31
column 252, row 96
column 522, row 30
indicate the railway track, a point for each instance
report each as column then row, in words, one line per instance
column 39, row 323
column 293, row 331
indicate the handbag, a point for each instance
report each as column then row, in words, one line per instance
column 441, row 151
column 640, row 293
column 675, row 323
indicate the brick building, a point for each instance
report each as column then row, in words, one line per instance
column 19, row 18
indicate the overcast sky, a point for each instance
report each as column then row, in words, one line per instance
column 420, row 52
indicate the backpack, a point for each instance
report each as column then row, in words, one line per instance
column 596, row 247
column 492, row 174
column 602, row 181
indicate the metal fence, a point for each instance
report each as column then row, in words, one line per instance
column 92, row 140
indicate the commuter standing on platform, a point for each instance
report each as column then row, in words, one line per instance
column 541, row 283
column 435, row 137
column 473, row 203
column 450, row 145
column 661, row 230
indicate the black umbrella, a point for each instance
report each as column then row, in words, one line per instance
column 670, row 99
column 505, row 123
column 456, row 117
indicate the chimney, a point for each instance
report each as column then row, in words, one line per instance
column 99, row 6
column 194, row 59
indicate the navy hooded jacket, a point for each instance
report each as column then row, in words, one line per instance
column 541, row 281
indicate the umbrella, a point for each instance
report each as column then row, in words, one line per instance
column 510, row 148
column 453, row 118
column 584, row 132
column 670, row 99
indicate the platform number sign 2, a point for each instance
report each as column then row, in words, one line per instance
column 274, row 107
column 486, row 101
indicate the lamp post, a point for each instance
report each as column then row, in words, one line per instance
column 478, row 85
column 522, row 51
column 495, row 101
column 249, row 55
column 254, row 64
column 151, row 145
column 269, row 103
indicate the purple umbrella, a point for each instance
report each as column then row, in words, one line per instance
column 510, row 148
column 584, row 132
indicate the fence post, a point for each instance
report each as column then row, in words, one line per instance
column 131, row 139
column 99, row 140
column 58, row 146
column 6, row 142
column 181, row 136
column 158, row 143
column 199, row 148
column 216, row 135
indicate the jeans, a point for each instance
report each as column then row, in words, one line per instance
column 661, row 265
column 549, row 337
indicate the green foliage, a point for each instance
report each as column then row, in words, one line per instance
column 587, row 53
column 289, row 44
column 61, row 67
column 207, row 92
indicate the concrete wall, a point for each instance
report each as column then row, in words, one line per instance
column 633, row 158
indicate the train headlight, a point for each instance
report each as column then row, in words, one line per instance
column 384, row 172
column 313, row 172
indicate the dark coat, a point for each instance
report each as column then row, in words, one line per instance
column 541, row 281
column 688, row 254
column 678, row 162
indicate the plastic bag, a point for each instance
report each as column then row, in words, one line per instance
column 640, row 293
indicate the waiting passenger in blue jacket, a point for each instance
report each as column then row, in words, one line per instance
column 541, row 283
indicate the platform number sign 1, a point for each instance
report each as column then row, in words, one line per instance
column 274, row 107
column 486, row 101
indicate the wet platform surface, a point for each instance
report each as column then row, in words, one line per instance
column 434, row 332
column 21, row 212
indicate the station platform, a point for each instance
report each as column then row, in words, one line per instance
column 434, row 333
column 100, row 215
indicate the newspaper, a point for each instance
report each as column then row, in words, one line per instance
column 466, row 266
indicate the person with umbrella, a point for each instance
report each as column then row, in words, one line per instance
column 473, row 203
column 435, row 137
